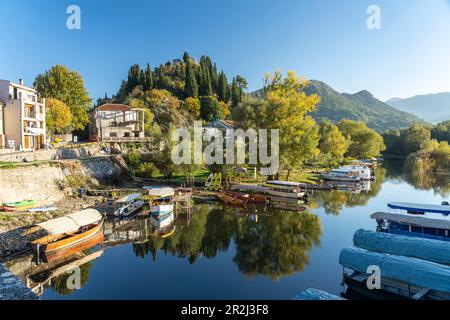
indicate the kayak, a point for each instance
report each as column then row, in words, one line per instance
column 19, row 204
column 18, row 209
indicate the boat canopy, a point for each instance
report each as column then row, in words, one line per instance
column 430, row 208
column 249, row 187
column 71, row 223
column 413, row 220
column 425, row 249
column 285, row 183
column 129, row 198
column 417, row 272
column 160, row 192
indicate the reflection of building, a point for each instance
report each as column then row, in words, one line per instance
column 117, row 123
column 22, row 117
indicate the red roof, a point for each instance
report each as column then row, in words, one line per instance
column 114, row 107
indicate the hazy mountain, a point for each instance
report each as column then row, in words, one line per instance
column 433, row 108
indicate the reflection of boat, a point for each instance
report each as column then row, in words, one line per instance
column 286, row 189
column 230, row 199
column 252, row 193
column 287, row 204
column 163, row 233
column 67, row 231
column 84, row 245
column 161, row 209
column 162, row 222
column 130, row 208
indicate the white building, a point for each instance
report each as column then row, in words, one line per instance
column 22, row 117
column 117, row 123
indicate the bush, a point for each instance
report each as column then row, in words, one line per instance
column 148, row 170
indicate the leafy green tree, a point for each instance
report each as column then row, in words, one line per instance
column 238, row 87
column 67, row 86
column 415, row 136
column 210, row 108
column 58, row 116
column 363, row 142
column 441, row 132
column 332, row 143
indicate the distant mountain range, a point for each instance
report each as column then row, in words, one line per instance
column 433, row 108
column 363, row 106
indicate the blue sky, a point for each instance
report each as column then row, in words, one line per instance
column 320, row 39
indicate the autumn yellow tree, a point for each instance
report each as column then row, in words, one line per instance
column 332, row 145
column 58, row 117
column 288, row 106
column 193, row 106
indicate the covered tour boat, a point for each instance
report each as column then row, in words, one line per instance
column 161, row 200
column 67, row 231
column 286, row 189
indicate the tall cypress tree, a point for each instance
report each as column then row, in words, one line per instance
column 148, row 78
column 134, row 77
column 223, row 88
column 190, row 82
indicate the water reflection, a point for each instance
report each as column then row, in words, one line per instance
column 335, row 201
column 439, row 182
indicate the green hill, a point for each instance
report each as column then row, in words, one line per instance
column 359, row 106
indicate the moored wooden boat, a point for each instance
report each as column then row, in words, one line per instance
column 67, row 231
column 231, row 200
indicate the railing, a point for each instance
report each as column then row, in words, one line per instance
column 124, row 139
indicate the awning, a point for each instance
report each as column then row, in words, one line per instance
column 160, row 192
column 420, row 207
column 72, row 222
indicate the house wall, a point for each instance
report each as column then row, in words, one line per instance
column 24, row 116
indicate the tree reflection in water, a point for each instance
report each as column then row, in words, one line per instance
column 276, row 244
column 439, row 182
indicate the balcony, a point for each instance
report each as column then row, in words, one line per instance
column 34, row 131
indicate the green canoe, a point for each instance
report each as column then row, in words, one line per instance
column 20, row 204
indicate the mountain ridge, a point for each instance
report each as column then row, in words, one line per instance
column 359, row 106
column 433, row 107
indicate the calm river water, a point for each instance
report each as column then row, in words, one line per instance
column 224, row 253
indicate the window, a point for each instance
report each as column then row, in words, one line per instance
column 113, row 134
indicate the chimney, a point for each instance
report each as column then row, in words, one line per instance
column 21, row 82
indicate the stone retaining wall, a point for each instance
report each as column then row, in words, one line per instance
column 11, row 288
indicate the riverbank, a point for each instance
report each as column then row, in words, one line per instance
column 12, row 225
